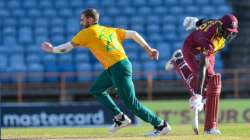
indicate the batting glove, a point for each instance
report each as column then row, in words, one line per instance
column 195, row 102
column 189, row 23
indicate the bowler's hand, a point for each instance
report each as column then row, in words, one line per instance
column 153, row 54
column 47, row 47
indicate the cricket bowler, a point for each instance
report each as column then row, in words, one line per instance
column 105, row 43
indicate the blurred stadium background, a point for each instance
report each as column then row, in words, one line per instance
column 31, row 76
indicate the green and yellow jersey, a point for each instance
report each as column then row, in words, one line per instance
column 105, row 43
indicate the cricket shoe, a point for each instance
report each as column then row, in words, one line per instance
column 213, row 131
column 163, row 129
column 120, row 123
column 176, row 55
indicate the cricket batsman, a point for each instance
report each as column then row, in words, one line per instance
column 105, row 43
column 195, row 65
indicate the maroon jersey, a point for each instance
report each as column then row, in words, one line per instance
column 206, row 38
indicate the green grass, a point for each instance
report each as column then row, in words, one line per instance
column 231, row 131
column 180, row 132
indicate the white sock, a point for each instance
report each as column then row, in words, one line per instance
column 162, row 123
column 119, row 116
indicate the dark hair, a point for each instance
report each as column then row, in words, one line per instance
column 92, row 13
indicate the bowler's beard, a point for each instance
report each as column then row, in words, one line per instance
column 87, row 25
column 84, row 26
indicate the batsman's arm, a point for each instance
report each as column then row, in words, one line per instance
column 200, row 22
column 202, row 72
column 153, row 53
column 191, row 23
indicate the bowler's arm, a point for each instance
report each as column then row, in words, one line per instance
column 62, row 48
column 153, row 53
